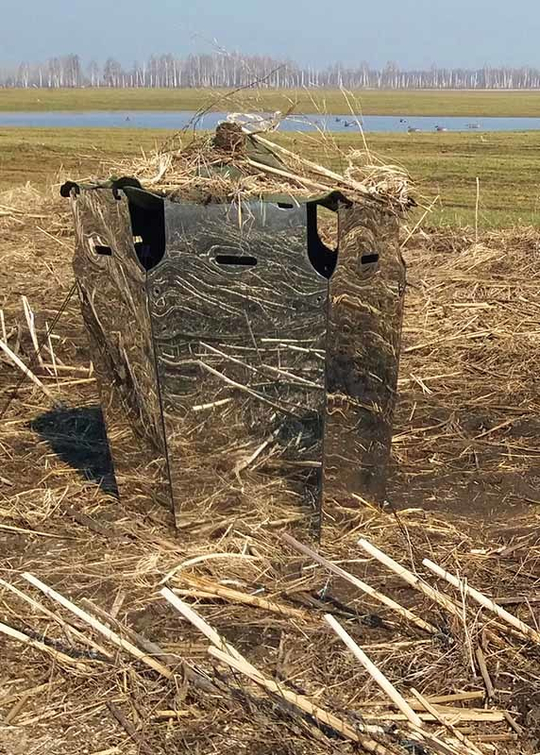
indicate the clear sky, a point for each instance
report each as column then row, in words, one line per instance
column 413, row 33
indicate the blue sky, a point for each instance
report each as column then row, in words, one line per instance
column 414, row 33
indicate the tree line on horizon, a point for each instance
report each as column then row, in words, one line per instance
column 235, row 70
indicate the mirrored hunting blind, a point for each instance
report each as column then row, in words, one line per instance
column 247, row 365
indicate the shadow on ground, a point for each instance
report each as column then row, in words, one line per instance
column 77, row 435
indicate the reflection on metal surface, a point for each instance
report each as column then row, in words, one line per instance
column 239, row 319
column 114, row 306
column 215, row 331
column 366, row 307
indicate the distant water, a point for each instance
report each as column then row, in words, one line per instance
column 335, row 123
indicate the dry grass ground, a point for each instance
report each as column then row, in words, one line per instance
column 465, row 485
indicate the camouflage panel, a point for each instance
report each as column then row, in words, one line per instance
column 111, row 284
column 239, row 319
column 365, row 318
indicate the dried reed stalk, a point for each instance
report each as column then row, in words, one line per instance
column 443, row 600
column 152, row 649
column 332, row 175
column 468, row 715
column 39, row 533
column 211, row 589
column 481, row 660
column 31, row 322
column 376, row 674
column 404, row 613
column 55, row 654
column 26, row 371
column 444, row 722
column 99, row 627
column 483, row 600
column 209, row 632
column 57, row 619
column 438, row 699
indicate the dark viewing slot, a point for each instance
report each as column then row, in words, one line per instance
column 105, row 250
column 323, row 259
column 147, row 214
column 367, row 259
column 231, row 259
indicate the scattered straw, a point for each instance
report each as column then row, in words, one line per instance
column 465, row 466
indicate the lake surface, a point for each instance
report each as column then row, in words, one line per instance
column 335, row 123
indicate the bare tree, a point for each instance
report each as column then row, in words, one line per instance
column 223, row 69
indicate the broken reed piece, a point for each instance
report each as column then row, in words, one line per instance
column 417, row 582
column 300, row 701
column 212, row 405
column 99, row 627
column 207, row 588
column 26, row 371
column 61, row 367
column 286, row 174
column 481, row 660
column 26, row 531
column 465, row 715
column 58, row 619
column 433, row 699
column 16, row 709
column 56, row 654
column 405, row 613
column 3, row 326
column 142, row 746
column 314, row 166
column 203, row 626
column 384, row 683
column 50, row 349
column 513, row 723
column 483, row 600
column 31, row 322
column 444, row 722
column 117, row 603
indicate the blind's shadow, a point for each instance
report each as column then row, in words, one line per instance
column 77, row 436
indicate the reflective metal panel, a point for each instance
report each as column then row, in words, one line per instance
column 239, row 323
column 225, row 359
column 113, row 298
column 365, row 316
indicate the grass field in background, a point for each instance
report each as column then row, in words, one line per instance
column 434, row 102
column 443, row 164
